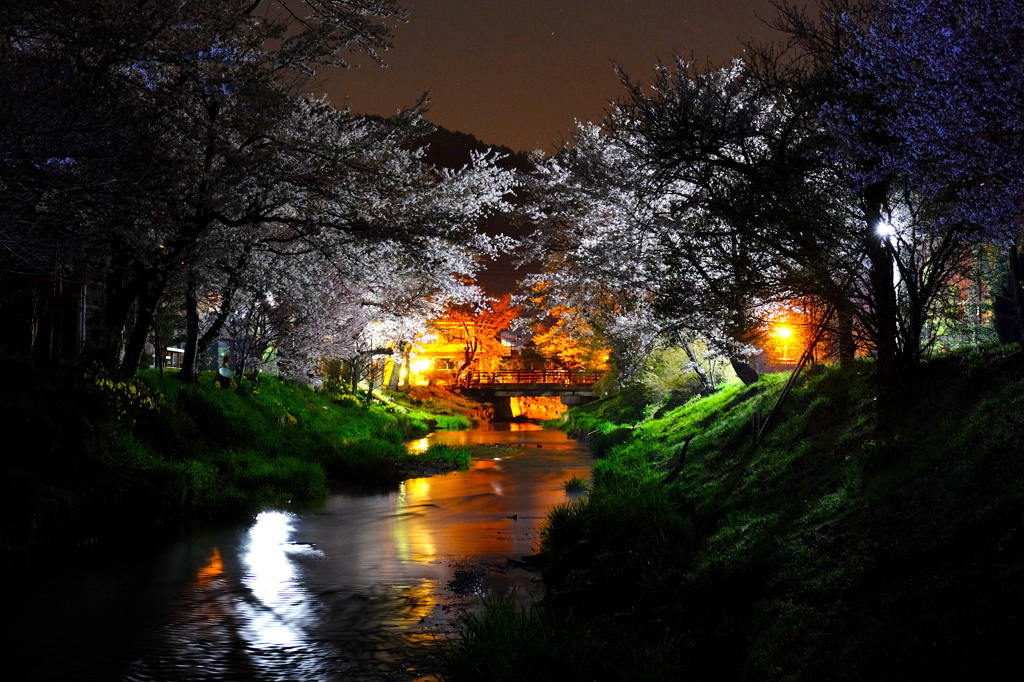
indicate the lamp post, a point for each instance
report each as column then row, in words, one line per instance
column 784, row 333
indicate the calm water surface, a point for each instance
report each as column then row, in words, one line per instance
column 357, row 587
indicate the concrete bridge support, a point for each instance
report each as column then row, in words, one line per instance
column 577, row 399
column 501, row 395
column 503, row 404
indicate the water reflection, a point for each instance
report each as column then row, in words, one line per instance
column 488, row 434
column 356, row 587
column 277, row 612
column 213, row 569
column 249, row 617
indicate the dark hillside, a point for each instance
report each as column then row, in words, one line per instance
column 869, row 537
column 452, row 149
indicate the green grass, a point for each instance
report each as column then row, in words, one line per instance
column 875, row 533
column 576, row 485
column 108, row 451
column 509, row 642
column 438, row 407
column 530, row 647
column 440, row 452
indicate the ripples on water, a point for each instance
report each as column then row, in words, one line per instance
column 355, row 588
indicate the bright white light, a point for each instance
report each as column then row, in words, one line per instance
column 884, row 229
column 420, row 365
column 272, row 581
column 277, row 610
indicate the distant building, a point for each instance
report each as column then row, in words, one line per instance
column 438, row 361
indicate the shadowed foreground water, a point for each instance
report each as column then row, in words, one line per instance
column 356, row 588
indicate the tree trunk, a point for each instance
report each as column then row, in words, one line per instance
column 883, row 296
column 53, row 330
column 227, row 301
column 882, row 289
column 396, row 367
column 406, row 357
column 159, row 352
column 697, row 369
column 120, row 293
column 747, row 374
column 213, row 333
column 33, row 326
column 145, row 313
column 243, row 359
column 469, row 354
column 369, row 383
column 846, row 346
column 189, row 372
column 353, row 372
column 1017, row 289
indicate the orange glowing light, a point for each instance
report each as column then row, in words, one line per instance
column 213, row 568
column 418, row 369
column 784, row 332
column 420, row 365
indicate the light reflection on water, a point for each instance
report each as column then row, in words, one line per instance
column 489, row 434
column 279, row 616
column 270, row 577
column 354, row 588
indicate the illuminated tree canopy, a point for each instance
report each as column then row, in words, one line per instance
column 167, row 147
column 816, row 168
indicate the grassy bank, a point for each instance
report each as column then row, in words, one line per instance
column 871, row 536
column 104, row 452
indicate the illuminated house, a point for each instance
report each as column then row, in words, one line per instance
column 437, row 361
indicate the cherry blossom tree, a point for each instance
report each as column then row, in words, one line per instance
column 598, row 259
column 912, row 238
column 945, row 81
column 395, row 227
column 564, row 335
column 183, row 149
column 661, row 246
column 159, row 107
column 705, row 202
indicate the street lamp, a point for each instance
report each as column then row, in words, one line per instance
column 785, row 334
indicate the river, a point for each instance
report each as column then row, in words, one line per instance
column 358, row 586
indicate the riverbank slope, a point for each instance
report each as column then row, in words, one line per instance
column 872, row 535
column 90, row 451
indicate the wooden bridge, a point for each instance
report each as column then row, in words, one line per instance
column 553, row 377
column 574, row 388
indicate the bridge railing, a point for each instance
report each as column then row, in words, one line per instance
column 549, row 376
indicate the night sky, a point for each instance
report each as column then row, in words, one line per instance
column 520, row 72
